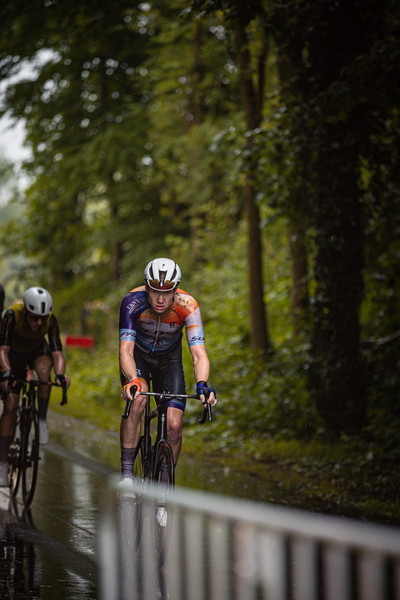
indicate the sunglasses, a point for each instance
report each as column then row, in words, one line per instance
column 162, row 287
column 37, row 318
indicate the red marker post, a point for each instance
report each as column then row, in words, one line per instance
column 79, row 341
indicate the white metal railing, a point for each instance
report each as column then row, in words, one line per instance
column 227, row 549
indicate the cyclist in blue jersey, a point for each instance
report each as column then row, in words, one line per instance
column 152, row 318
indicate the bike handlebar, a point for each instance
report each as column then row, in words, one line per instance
column 207, row 409
column 37, row 383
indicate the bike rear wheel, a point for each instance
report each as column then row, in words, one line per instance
column 164, row 481
column 131, row 508
column 29, row 454
column 14, row 457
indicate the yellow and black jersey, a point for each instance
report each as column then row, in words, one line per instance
column 16, row 333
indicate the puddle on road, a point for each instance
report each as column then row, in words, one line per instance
column 26, row 568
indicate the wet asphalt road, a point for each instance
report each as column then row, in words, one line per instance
column 50, row 551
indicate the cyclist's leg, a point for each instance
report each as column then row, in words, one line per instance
column 42, row 365
column 8, row 417
column 130, row 430
column 7, row 424
column 175, row 422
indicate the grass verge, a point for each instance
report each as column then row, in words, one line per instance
column 349, row 477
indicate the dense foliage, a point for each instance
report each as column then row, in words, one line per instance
column 254, row 142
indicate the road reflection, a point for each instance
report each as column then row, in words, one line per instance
column 20, row 569
column 27, row 568
column 49, row 552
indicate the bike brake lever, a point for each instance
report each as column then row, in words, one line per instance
column 129, row 403
column 207, row 411
column 64, row 396
column 127, row 409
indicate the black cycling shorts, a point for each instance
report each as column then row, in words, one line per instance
column 20, row 362
column 165, row 371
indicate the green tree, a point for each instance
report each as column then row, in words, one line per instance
column 86, row 123
column 249, row 45
column 332, row 119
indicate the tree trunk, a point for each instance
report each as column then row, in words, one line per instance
column 259, row 328
column 296, row 231
column 299, row 278
column 336, row 377
column 252, row 101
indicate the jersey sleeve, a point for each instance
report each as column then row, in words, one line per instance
column 194, row 328
column 54, row 335
column 7, row 328
column 127, row 320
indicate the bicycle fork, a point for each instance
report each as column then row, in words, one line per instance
column 161, row 436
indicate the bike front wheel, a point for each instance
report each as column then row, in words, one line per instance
column 14, row 457
column 29, row 455
column 164, row 482
column 131, row 508
column 138, row 465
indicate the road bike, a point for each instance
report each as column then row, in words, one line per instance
column 23, row 453
column 154, row 464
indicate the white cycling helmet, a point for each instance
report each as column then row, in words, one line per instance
column 162, row 274
column 38, row 301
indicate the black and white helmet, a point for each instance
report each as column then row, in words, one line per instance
column 38, row 301
column 162, row 274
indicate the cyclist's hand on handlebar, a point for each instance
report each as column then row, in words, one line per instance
column 6, row 380
column 63, row 380
column 126, row 393
column 203, row 391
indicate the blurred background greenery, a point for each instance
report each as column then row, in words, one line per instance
column 257, row 144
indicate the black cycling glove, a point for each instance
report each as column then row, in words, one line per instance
column 6, row 375
column 202, row 387
column 61, row 379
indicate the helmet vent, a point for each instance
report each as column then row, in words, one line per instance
column 43, row 304
column 174, row 273
column 162, row 278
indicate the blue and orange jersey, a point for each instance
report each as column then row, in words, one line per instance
column 159, row 333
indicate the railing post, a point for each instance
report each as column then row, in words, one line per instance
column 304, row 569
column 336, row 572
column 370, row 571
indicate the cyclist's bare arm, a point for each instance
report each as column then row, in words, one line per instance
column 4, row 359
column 201, row 366
column 59, row 365
column 127, row 365
column 4, row 364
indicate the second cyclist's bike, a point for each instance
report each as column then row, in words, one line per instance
column 23, row 454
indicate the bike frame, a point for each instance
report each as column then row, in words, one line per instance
column 152, row 459
column 160, row 411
